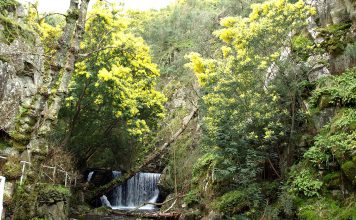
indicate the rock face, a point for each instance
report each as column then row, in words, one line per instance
column 335, row 11
column 20, row 78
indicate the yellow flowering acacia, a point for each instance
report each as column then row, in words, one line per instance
column 113, row 88
column 243, row 115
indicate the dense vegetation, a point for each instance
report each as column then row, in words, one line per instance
column 271, row 140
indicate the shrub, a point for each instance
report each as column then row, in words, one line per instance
column 305, row 182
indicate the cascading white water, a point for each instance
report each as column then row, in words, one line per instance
column 104, row 201
column 135, row 192
column 90, row 175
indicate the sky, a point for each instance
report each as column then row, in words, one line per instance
column 61, row 6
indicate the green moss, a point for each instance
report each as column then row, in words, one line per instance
column 24, row 203
column 13, row 30
column 233, row 202
column 192, row 198
column 12, row 168
column 28, row 198
column 349, row 168
column 21, row 139
column 50, row 188
column 326, row 208
column 335, row 37
column 332, row 180
column 4, row 144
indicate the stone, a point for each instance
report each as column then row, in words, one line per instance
column 317, row 64
column 323, row 117
column 9, row 191
column 342, row 62
column 334, row 11
column 166, row 183
column 55, row 211
column 20, row 78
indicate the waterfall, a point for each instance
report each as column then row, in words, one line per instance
column 104, row 201
column 90, row 175
column 135, row 192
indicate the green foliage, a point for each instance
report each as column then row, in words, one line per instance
column 244, row 121
column 241, row 201
column 4, row 144
column 305, row 182
column 351, row 50
column 112, row 102
column 302, row 46
column 335, row 90
column 336, row 140
column 327, row 208
column 192, row 198
column 8, row 5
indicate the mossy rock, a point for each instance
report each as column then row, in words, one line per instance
column 14, row 30
column 49, row 194
column 327, row 208
column 24, row 203
column 325, row 101
column 12, row 168
column 233, row 202
column 103, row 210
column 4, row 144
column 349, row 169
column 332, row 180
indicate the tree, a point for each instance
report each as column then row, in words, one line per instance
column 246, row 123
column 112, row 103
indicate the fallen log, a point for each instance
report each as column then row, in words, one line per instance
column 151, row 215
column 121, row 179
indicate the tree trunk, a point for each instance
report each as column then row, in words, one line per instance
column 120, row 180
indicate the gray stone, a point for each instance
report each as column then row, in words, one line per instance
column 20, row 78
column 9, row 190
column 323, row 117
column 55, row 211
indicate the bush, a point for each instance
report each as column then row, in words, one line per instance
column 335, row 91
column 305, row 182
